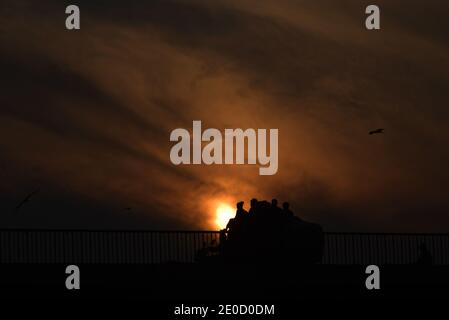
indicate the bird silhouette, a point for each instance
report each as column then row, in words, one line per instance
column 127, row 209
column 377, row 131
column 25, row 200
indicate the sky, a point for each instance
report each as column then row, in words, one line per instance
column 86, row 115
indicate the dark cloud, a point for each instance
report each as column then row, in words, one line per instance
column 88, row 114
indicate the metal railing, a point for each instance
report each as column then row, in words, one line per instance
column 154, row 247
column 383, row 248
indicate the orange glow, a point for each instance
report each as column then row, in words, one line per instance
column 224, row 212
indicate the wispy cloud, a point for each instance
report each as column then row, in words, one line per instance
column 91, row 111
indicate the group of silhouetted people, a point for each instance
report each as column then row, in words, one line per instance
column 268, row 231
column 260, row 213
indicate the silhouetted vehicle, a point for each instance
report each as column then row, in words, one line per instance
column 269, row 234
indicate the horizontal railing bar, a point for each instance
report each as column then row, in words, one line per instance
column 110, row 230
column 217, row 231
column 387, row 233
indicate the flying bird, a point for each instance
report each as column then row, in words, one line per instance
column 377, row 131
column 27, row 199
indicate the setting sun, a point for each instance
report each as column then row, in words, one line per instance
column 224, row 212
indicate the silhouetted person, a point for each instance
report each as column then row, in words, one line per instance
column 274, row 207
column 236, row 224
column 425, row 257
column 230, row 225
column 286, row 209
column 241, row 213
column 254, row 206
